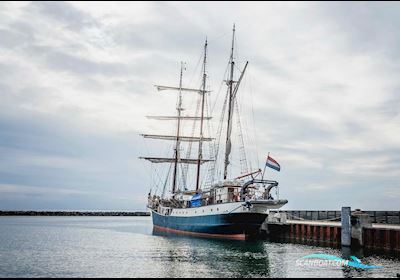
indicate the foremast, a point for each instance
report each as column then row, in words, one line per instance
column 179, row 110
column 178, row 138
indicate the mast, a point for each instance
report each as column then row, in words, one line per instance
column 230, row 82
column 177, row 145
column 176, row 159
column 203, row 93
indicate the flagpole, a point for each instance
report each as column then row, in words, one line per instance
column 265, row 167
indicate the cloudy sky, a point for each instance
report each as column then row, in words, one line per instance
column 76, row 82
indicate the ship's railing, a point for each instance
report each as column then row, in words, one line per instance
column 260, row 183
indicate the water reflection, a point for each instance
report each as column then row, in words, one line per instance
column 218, row 258
column 200, row 257
column 125, row 247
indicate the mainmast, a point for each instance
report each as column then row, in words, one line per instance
column 177, row 145
column 232, row 91
column 228, row 146
column 203, row 93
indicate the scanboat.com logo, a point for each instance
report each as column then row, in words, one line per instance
column 323, row 260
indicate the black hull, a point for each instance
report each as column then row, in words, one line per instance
column 239, row 226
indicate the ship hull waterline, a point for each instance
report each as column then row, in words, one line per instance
column 233, row 226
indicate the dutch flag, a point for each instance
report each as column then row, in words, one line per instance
column 271, row 163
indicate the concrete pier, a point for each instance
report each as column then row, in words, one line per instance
column 355, row 230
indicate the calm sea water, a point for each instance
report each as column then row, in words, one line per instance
column 126, row 247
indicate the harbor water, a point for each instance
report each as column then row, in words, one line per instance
column 127, row 247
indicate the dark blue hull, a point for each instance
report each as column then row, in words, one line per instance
column 232, row 226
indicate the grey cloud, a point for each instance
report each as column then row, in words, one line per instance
column 158, row 36
column 171, row 31
column 290, row 126
column 13, row 98
column 353, row 128
column 62, row 61
column 335, row 88
column 11, row 39
column 81, row 161
column 270, row 67
column 370, row 26
column 391, row 107
column 53, row 200
column 62, row 12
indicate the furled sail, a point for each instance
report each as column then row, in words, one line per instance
column 166, row 118
column 169, row 160
column 160, row 88
column 181, row 138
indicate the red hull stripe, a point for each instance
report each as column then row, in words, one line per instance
column 198, row 234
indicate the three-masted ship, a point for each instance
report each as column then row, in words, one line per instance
column 231, row 208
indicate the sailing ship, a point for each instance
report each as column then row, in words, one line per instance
column 231, row 208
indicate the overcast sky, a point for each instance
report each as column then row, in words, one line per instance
column 76, row 82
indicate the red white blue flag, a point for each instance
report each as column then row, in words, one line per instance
column 271, row 163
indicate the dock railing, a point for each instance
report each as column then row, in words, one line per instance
column 377, row 217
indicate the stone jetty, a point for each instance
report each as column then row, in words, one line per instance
column 72, row 213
